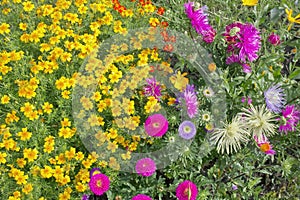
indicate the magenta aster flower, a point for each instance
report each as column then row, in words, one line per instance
column 274, row 39
column 94, row 171
column 243, row 43
column 265, row 145
column 152, row 88
column 141, row 197
column 156, row 125
column 189, row 96
column 187, row 190
column 200, row 22
column 274, row 97
column 187, row 130
column 145, row 167
column 290, row 118
column 99, row 184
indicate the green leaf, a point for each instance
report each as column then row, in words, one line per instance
column 295, row 74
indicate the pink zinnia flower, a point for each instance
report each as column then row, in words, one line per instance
column 99, row 184
column 141, row 197
column 187, row 190
column 152, row 88
column 290, row 117
column 156, row 125
column 265, row 145
column 274, row 39
column 145, row 167
column 200, row 22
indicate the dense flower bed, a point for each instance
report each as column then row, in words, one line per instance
column 145, row 99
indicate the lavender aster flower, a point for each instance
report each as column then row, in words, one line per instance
column 187, row 130
column 187, row 190
column 152, row 88
column 200, row 22
column 290, row 118
column 274, row 97
column 145, row 167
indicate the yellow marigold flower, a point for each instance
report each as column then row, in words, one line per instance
column 47, row 107
column 28, row 6
column 65, row 132
column 112, row 146
column 153, row 21
column 33, row 115
column 250, row 2
column 113, row 163
column 21, row 162
column 65, row 122
column 21, row 179
column 11, row 117
column 27, row 188
column 46, row 172
column 86, row 103
column 291, row 19
column 5, row 99
column 24, row 134
column 17, row 194
column 30, row 154
column 80, row 187
column 4, row 28
column 79, row 156
column 179, row 81
column 65, row 94
column 70, row 154
column 5, row 11
column 2, row 157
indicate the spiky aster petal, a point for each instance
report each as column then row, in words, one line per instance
column 230, row 137
column 258, row 120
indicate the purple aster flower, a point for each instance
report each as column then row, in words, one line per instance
column 152, row 88
column 156, row 125
column 187, row 130
column 191, row 101
column 200, row 22
column 274, row 39
column 290, row 118
column 274, row 98
column 234, row 187
column 99, row 184
column 141, row 197
column 187, row 190
column 94, row 171
column 85, row 197
column 145, row 167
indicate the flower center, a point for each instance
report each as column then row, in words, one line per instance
column 187, row 129
column 265, row 147
column 156, row 125
column 99, row 183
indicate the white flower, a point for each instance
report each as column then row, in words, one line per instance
column 230, row 137
column 258, row 120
